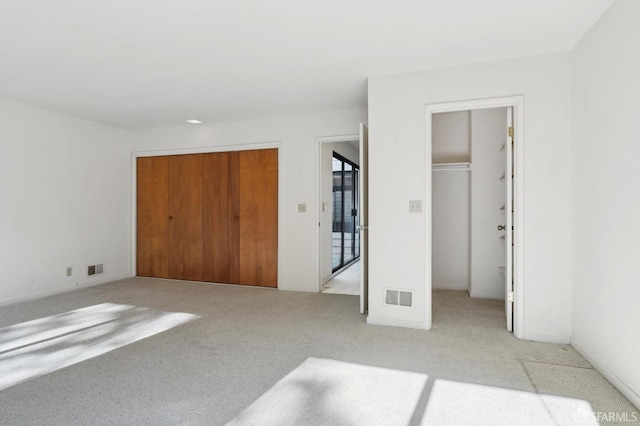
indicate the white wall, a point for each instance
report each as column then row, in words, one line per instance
column 606, row 197
column 451, row 137
column 397, row 142
column 488, row 194
column 450, row 229
column 349, row 152
column 65, row 192
column 298, row 157
column 450, row 143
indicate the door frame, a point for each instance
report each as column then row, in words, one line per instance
column 517, row 103
column 319, row 143
column 202, row 150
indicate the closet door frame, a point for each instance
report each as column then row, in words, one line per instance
column 204, row 150
column 517, row 103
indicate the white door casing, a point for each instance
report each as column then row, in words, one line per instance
column 509, row 227
column 364, row 218
column 516, row 103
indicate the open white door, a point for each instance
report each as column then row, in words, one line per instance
column 364, row 218
column 509, row 210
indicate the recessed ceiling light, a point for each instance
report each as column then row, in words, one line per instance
column 194, row 121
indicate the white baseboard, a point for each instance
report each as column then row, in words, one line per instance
column 396, row 323
column 66, row 289
column 622, row 387
column 546, row 338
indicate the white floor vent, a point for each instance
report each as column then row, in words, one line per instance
column 398, row 297
column 95, row 269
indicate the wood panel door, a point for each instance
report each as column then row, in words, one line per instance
column 258, row 172
column 152, row 236
column 185, row 217
column 221, row 220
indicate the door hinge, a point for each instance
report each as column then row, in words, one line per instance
column 511, row 298
column 510, row 131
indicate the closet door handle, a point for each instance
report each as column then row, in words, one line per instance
column 500, row 227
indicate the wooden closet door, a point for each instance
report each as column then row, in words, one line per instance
column 185, row 217
column 259, row 217
column 221, row 207
column 151, row 217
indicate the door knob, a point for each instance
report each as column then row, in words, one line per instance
column 500, row 227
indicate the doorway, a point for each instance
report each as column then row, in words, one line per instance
column 332, row 169
column 339, row 217
column 345, row 240
column 476, row 203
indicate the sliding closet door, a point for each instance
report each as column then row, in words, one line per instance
column 258, row 172
column 221, row 220
column 185, row 217
column 152, row 212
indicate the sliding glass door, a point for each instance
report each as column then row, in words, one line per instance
column 346, row 235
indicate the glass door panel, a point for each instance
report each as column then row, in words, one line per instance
column 346, row 238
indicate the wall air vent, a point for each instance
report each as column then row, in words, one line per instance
column 95, row 269
column 396, row 297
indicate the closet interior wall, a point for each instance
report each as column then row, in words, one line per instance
column 468, row 201
column 450, row 192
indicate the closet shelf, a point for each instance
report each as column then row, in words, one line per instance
column 451, row 166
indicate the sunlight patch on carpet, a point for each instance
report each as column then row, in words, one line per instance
column 34, row 348
column 328, row 392
column 324, row 391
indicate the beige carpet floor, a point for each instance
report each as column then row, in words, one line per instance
column 161, row 352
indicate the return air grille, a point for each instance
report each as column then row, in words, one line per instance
column 398, row 297
column 95, row 269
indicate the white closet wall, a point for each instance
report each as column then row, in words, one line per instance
column 467, row 251
column 450, row 202
column 450, row 222
column 488, row 193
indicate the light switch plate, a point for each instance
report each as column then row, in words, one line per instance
column 302, row 208
column 415, row 206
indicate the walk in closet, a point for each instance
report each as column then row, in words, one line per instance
column 209, row 217
column 468, row 201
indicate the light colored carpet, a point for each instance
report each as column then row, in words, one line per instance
column 34, row 348
column 250, row 349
